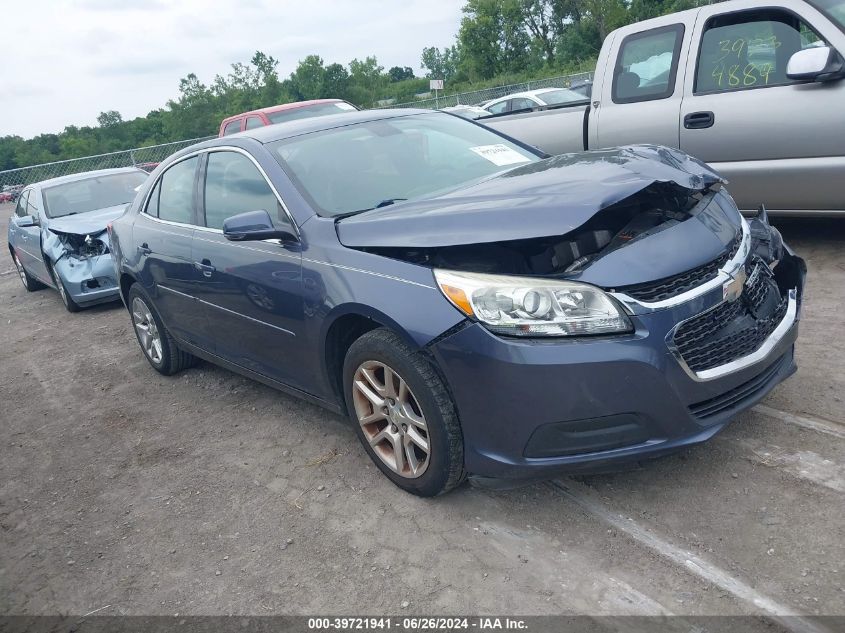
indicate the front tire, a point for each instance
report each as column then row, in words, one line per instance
column 159, row 347
column 403, row 414
column 67, row 300
column 29, row 282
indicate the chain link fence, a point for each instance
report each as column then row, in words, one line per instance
column 146, row 158
column 482, row 96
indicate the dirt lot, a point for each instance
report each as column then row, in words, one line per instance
column 207, row 493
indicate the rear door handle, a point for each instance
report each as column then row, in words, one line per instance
column 145, row 249
column 699, row 120
column 205, row 267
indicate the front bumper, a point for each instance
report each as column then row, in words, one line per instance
column 535, row 408
column 89, row 280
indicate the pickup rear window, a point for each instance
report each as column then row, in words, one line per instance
column 647, row 64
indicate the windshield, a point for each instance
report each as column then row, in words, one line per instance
column 91, row 194
column 306, row 112
column 834, row 9
column 557, row 97
column 362, row 166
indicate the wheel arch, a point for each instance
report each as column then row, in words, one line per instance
column 344, row 326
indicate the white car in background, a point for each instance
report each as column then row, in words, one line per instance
column 532, row 99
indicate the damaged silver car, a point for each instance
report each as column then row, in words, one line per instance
column 58, row 238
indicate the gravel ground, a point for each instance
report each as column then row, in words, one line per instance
column 206, row 493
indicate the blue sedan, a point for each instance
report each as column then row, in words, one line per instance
column 57, row 235
column 475, row 307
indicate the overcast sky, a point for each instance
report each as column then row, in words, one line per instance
column 64, row 62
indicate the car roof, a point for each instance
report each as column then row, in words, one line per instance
column 289, row 129
column 84, row 175
column 283, row 106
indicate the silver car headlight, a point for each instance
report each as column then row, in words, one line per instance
column 526, row 306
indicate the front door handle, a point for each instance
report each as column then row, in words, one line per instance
column 699, row 120
column 205, row 267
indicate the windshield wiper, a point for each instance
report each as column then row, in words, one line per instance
column 384, row 203
column 387, row 202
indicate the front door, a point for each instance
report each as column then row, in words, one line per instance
column 778, row 142
column 251, row 291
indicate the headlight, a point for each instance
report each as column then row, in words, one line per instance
column 525, row 306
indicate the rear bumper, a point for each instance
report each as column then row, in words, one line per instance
column 533, row 409
column 89, row 281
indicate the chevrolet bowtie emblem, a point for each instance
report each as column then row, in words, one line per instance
column 732, row 289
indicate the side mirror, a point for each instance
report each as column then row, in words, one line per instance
column 253, row 225
column 29, row 220
column 820, row 63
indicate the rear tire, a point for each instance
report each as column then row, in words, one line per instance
column 159, row 347
column 403, row 414
column 29, row 282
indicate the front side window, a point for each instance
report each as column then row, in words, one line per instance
column 647, row 64
column 20, row 208
column 234, row 185
column 92, row 194
column 176, row 192
column 750, row 49
column 376, row 163
column 498, row 108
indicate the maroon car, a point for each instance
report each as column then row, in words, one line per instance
column 281, row 113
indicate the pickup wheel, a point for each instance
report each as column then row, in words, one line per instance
column 403, row 414
column 159, row 347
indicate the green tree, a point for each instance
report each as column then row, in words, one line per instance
column 306, row 82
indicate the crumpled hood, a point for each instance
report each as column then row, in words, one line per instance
column 550, row 197
column 90, row 223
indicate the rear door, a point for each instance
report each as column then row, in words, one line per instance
column 162, row 234
column 251, row 291
column 779, row 142
column 640, row 100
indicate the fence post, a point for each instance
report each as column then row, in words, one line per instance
column 132, row 158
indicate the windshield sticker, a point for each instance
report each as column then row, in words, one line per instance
column 499, row 154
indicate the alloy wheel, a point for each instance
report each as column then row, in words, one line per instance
column 391, row 419
column 147, row 330
column 21, row 272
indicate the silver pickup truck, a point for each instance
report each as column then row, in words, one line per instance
column 754, row 88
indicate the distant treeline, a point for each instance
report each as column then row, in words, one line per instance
column 498, row 42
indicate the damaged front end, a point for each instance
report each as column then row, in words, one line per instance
column 579, row 244
column 83, row 263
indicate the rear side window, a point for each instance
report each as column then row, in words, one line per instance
column 647, row 65
column 232, row 127
column 234, row 185
column 176, row 194
column 253, row 122
column 750, row 49
column 523, row 104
